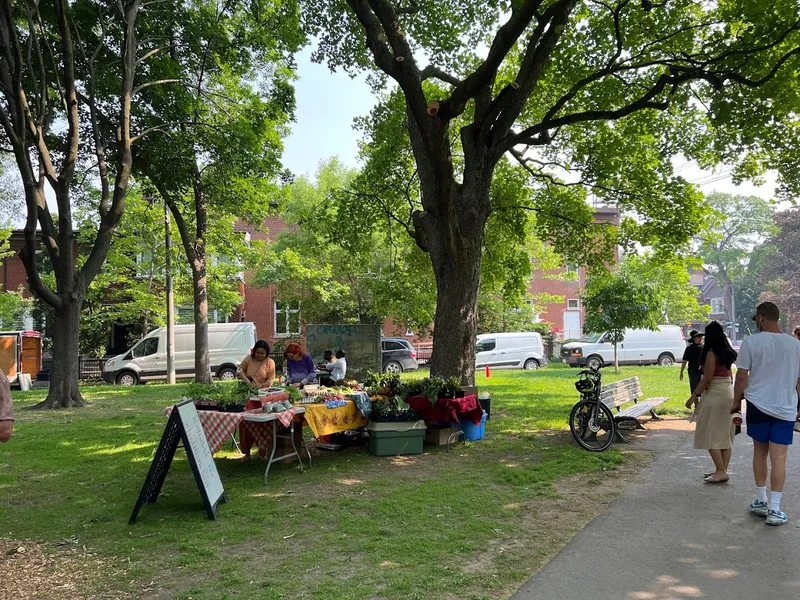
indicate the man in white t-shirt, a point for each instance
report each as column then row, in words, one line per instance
column 768, row 378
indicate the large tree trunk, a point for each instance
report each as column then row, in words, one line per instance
column 64, row 392
column 455, row 242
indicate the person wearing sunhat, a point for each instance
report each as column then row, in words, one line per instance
column 691, row 359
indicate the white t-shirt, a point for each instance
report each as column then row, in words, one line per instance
column 338, row 369
column 773, row 360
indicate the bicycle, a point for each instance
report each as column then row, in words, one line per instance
column 591, row 421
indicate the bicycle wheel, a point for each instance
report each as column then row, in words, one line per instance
column 592, row 425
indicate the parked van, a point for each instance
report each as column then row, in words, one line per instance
column 664, row 347
column 523, row 350
column 228, row 344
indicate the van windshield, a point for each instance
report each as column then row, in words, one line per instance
column 591, row 338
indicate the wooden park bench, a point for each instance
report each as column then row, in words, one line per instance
column 619, row 394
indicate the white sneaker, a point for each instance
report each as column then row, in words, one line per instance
column 776, row 517
column 759, row 508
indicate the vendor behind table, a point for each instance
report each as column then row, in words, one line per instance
column 258, row 369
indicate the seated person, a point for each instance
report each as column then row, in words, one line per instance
column 336, row 368
column 258, row 369
column 341, row 366
column 300, row 368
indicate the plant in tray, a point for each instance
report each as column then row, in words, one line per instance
column 392, row 410
column 382, row 384
column 451, row 388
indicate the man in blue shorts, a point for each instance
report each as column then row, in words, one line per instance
column 767, row 378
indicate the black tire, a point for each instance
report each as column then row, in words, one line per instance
column 392, row 367
column 592, row 425
column 227, row 374
column 531, row 365
column 666, row 360
column 127, row 378
column 594, row 362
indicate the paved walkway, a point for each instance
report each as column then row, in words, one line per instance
column 671, row 536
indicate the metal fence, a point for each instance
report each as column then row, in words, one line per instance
column 423, row 353
column 89, row 367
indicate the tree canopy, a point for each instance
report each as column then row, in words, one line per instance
column 588, row 97
column 620, row 301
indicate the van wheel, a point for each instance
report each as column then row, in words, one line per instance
column 666, row 360
column 531, row 364
column 594, row 362
column 227, row 374
column 127, row 378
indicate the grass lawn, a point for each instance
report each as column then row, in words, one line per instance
column 472, row 523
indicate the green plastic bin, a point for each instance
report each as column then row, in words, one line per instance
column 395, row 439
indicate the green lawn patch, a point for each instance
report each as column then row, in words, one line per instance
column 471, row 523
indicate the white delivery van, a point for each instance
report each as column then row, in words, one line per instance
column 228, row 344
column 523, row 350
column 664, row 347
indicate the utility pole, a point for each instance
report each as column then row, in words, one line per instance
column 170, row 299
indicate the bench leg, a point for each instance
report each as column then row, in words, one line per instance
column 654, row 416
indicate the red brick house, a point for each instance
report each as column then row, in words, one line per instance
column 568, row 316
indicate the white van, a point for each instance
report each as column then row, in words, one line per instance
column 522, row 350
column 664, row 347
column 228, row 344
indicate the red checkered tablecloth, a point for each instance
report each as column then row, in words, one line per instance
column 219, row 426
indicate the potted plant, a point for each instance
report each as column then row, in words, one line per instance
column 205, row 396
column 450, row 388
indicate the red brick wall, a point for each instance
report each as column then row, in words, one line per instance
column 569, row 290
column 12, row 271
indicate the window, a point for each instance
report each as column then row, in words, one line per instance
column 718, row 306
column 146, row 348
column 572, row 268
column 408, row 331
column 485, row 345
column 287, row 318
column 573, row 304
column 393, row 346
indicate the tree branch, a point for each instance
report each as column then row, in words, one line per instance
column 484, row 75
column 434, row 72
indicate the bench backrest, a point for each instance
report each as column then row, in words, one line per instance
column 621, row 392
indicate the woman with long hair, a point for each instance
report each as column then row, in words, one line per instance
column 257, row 368
column 713, row 396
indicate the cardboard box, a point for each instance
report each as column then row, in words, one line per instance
column 437, row 436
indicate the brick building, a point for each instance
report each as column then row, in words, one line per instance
column 567, row 316
column 13, row 271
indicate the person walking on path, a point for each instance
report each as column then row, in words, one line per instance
column 767, row 378
column 715, row 429
column 691, row 360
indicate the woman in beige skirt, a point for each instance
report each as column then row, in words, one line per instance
column 714, row 396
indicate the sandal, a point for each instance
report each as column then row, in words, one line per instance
column 710, row 479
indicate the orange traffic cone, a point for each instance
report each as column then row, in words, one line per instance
column 488, row 372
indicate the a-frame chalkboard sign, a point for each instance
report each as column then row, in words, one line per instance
column 184, row 425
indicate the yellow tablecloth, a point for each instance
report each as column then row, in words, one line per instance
column 325, row 421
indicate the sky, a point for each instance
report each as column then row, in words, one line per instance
column 327, row 103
